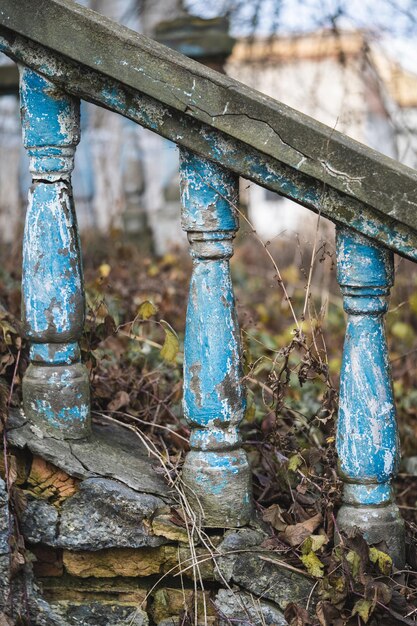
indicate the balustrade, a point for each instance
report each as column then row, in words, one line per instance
column 236, row 132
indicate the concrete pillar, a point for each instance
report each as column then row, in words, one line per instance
column 56, row 385
column 216, row 471
column 367, row 436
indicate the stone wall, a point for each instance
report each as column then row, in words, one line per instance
column 106, row 544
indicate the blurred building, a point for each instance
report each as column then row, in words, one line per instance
column 127, row 177
column 341, row 79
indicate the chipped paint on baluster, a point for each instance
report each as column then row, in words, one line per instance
column 55, row 385
column 52, row 283
column 367, row 494
column 216, row 470
column 55, row 353
column 48, row 119
column 67, row 414
column 208, row 193
column 50, row 125
column 213, row 394
column 367, row 437
column 211, row 307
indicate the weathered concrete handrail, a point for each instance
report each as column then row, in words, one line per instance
column 219, row 118
column 223, row 129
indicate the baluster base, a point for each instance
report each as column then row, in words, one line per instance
column 218, row 487
column 57, row 399
column 376, row 523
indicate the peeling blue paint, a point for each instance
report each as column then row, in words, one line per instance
column 55, row 385
column 52, row 283
column 48, row 119
column 216, row 438
column 212, row 355
column 216, row 471
column 68, row 414
column 367, row 437
column 114, row 97
column 226, row 466
column 208, row 193
column 55, row 353
column 370, row 495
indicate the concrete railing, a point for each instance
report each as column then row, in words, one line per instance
column 223, row 130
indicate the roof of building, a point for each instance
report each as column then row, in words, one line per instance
column 315, row 45
column 400, row 83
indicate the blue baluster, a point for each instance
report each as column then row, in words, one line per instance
column 216, row 470
column 55, row 386
column 367, row 437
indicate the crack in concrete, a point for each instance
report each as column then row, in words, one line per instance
column 226, row 113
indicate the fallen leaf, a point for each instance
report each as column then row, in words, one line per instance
column 294, row 462
column 312, row 564
column 327, row 614
column 358, row 557
column 378, row 591
column 383, row 560
column 334, row 589
column 363, row 608
column 295, row 534
column 17, row 561
column 314, row 543
column 296, row 615
column 121, row 400
column 354, row 560
column 104, row 270
column 273, row 515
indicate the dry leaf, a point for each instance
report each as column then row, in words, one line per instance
column 273, row 515
column 294, row 462
column 120, row 400
column 314, row 543
column 354, row 560
column 296, row 615
column 383, row 560
column 364, row 609
column 104, row 270
column 327, row 614
column 295, row 534
column 17, row 561
column 377, row 591
column 313, row 564
column 12, row 474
